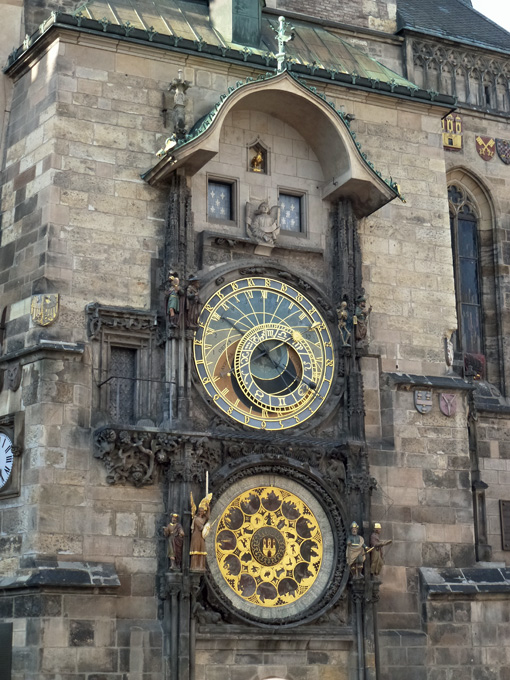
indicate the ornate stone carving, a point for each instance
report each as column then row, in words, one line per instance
column 130, row 456
column 475, row 78
column 12, row 377
column 121, row 318
column 263, row 222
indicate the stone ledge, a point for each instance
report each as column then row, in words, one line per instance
column 63, row 574
column 241, row 242
column 43, row 349
column 470, row 581
column 408, row 381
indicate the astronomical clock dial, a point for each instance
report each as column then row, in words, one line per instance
column 264, row 353
column 6, row 459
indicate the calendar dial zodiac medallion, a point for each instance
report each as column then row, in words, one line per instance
column 269, row 547
column 264, row 353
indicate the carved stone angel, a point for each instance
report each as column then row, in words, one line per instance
column 263, row 223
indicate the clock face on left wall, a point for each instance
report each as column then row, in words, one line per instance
column 264, row 353
column 6, row 459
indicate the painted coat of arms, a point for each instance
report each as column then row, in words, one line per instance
column 44, row 308
column 448, row 404
column 503, row 149
column 485, row 147
column 423, row 401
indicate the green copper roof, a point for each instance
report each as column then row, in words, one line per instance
column 204, row 124
column 313, row 45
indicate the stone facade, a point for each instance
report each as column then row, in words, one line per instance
column 111, row 426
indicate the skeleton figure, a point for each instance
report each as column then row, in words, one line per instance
column 263, row 223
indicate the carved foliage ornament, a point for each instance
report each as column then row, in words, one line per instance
column 100, row 317
column 138, row 457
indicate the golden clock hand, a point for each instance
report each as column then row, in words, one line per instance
column 266, row 351
column 234, row 326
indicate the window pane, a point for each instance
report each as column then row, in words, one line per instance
column 469, row 281
column 290, row 212
column 122, row 386
column 219, row 201
column 471, row 329
column 468, row 246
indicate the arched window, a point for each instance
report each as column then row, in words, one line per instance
column 466, row 258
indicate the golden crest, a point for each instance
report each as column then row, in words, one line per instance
column 44, row 308
column 486, row 147
column 452, row 132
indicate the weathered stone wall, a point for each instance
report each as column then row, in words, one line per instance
column 423, row 498
column 379, row 15
column 72, row 634
column 283, row 656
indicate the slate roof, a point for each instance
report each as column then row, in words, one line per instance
column 452, row 19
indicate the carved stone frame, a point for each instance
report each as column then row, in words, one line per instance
column 130, row 329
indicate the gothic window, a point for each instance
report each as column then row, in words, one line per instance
column 122, row 384
column 291, row 212
column 466, row 257
column 220, row 200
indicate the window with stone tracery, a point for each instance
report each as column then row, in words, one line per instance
column 466, row 258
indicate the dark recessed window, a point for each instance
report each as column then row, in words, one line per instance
column 291, row 212
column 220, row 201
column 122, row 384
column 466, row 256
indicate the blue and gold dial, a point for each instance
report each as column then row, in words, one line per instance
column 264, row 353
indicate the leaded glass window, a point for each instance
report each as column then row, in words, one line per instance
column 466, row 256
column 122, row 384
column 291, row 212
column 220, row 201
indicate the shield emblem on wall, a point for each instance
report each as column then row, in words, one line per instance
column 485, row 147
column 448, row 404
column 423, row 401
column 44, row 309
column 503, row 149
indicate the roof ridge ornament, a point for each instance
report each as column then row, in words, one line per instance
column 283, row 39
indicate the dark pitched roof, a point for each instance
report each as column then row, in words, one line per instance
column 452, row 19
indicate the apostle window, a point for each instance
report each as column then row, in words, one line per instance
column 291, row 212
column 220, row 201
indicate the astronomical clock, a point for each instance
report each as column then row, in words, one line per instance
column 264, row 353
column 264, row 356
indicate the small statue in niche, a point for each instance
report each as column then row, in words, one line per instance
column 360, row 320
column 257, row 162
column 355, row 553
column 263, row 223
column 173, row 291
column 343, row 322
column 199, row 532
column 192, row 302
column 175, row 535
column 377, row 557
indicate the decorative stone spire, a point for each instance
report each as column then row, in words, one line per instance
column 283, row 39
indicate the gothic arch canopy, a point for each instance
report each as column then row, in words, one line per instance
column 348, row 171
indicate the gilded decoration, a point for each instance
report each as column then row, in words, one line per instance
column 269, row 546
column 44, row 308
column 263, row 353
